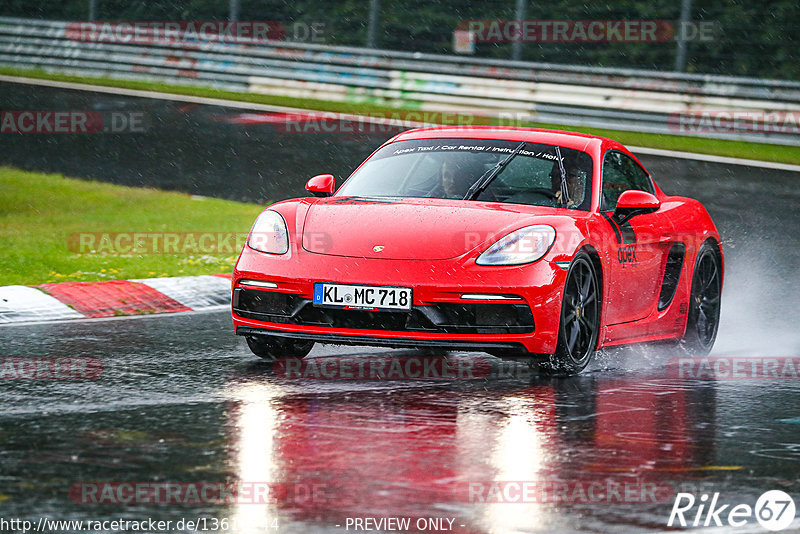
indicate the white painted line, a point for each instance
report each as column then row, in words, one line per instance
column 195, row 292
column 714, row 159
column 26, row 304
column 222, row 308
column 363, row 118
column 210, row 101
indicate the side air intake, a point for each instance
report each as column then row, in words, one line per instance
column 672, row 274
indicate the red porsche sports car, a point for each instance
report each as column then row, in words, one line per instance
column 519, row 242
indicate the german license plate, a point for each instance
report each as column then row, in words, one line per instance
column 362, row 297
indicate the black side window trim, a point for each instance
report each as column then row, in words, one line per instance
column 652, row 190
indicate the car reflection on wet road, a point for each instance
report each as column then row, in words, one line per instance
column 180, row 401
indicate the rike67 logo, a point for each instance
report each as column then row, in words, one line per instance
column 774, row 510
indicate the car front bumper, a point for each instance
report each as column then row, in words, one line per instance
column 440, row 315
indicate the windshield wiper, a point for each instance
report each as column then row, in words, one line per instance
column 564, row 188
column 485, row 179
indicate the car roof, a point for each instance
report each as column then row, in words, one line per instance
column 574, row 140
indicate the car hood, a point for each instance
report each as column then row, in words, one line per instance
column 399, row 229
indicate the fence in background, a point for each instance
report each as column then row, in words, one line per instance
column 645, row 101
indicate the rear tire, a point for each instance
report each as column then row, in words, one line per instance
column 579, row 324
column 704, row 303
column 272, row 348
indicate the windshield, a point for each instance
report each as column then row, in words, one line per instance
column 446, row 168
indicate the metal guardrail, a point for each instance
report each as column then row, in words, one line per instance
column 623, row 99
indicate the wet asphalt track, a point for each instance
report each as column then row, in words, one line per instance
column 182, row 400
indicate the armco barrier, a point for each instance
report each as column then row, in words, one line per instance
column 622, row 99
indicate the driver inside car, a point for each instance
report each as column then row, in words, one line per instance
column 576, row 184
column 456, row 175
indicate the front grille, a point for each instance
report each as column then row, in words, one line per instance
column 469, row 318
column 266, row 302
column 450, row 318
column 360, row 319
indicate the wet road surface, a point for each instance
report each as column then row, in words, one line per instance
column 180, row 400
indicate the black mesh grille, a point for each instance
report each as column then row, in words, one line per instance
column 453, row 318
column 266, row 302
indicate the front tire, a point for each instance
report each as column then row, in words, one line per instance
column 704, row 303
column 579, row 325
column 272, row 348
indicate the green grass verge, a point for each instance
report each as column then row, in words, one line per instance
column 39, row 213
column 718, row 147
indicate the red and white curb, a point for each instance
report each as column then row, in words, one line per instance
column 79, row 300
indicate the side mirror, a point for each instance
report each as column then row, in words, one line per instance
column 321, row 185
column 633, row 202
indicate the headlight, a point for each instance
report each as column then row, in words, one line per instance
column 525, row 245
column 269, row 234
